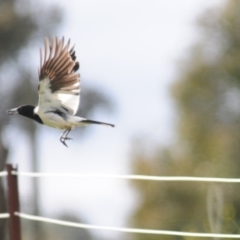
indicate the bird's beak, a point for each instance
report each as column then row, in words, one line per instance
column 12, row 111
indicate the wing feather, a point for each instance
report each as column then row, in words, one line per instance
column 46, row 49
column 59, row 84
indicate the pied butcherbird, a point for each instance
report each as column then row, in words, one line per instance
column 58, row 89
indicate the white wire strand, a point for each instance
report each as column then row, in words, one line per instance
column 4, row 215
column 126, row 230
column 132, row 177
column 2, row 174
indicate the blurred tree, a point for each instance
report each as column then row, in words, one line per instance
column 207, row 94
column 59, row 232
column 15, row 32
column 21, row 26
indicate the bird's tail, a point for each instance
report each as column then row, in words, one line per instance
column 87, row 121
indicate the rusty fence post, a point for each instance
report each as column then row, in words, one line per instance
column 13, row 204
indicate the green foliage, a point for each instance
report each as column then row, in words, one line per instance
column 207, row 94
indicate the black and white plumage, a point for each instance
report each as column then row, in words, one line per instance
column 59, row 90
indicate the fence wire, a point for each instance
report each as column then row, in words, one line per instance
column 4, row 215
column 125, row 230
column 4, row 173
column 130, row 177
column 122, row 229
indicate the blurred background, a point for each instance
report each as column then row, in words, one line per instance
column 166, row 73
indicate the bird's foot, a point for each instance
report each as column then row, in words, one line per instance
column 63, row 139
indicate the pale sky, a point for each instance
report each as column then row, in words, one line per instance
column 130, row 50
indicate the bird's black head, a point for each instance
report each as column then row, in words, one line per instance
column 26, row 111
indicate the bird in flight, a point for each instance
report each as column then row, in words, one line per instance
column 58, row 89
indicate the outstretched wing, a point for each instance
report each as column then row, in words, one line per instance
column 59, row 84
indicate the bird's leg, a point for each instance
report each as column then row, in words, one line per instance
column 64, row 137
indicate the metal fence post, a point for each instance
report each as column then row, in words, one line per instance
column 13, row 204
